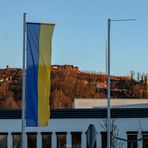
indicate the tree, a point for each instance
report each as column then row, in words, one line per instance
column 114, row 133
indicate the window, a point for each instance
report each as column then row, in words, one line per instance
column 104, row 139
column 16, row 140
column 76, row 139
column 132, row 139
column 3, row 140
column 61, row 139
column 31, row 140
column 46, row 139
column 145, row 139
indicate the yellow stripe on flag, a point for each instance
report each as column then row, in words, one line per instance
column 44, row 70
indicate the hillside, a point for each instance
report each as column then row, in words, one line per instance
column 67, row 83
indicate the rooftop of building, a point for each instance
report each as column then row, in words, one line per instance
column 115, row 103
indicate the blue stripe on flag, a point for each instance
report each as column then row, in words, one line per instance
column 33, row 31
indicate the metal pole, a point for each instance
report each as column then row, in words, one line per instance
column 106, row 57
column 131, row 144
column 23, row 84
column 108, row 90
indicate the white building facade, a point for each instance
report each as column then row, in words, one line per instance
column 68, row 128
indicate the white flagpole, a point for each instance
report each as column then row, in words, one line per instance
column 108, row 90
column 106, row 57
column 23, row 83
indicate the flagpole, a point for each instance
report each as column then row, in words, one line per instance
column 23, row 84
column 108, row 90
column 109, row 87
column 106, row 57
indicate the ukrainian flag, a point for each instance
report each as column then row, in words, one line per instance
column 38, row 68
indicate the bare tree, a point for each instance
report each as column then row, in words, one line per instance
column 115, row 143
column 138, row 76
column 132, row 74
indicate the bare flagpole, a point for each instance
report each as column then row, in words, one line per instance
column 108, row 90
column 106, row 56
column 23, row 83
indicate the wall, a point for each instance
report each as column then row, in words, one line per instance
column 78, row 125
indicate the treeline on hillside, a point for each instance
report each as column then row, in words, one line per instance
column 67, row 83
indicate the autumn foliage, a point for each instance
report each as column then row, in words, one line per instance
column 67, row 83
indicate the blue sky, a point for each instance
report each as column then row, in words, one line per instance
column 81, row 31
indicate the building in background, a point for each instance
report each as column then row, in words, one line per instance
column 69, row 128
column 115, row 103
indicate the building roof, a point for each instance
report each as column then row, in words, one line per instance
column 115, row 102
column 82, row 113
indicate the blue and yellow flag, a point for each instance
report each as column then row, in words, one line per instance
column 39, row 39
